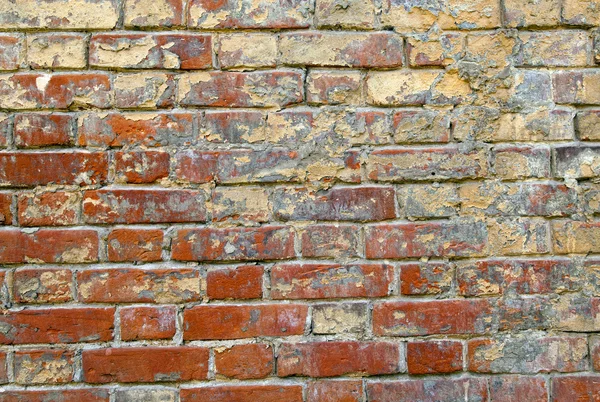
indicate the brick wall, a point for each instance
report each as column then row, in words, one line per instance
column 300, row 200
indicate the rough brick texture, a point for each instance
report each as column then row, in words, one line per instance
column 299, row 200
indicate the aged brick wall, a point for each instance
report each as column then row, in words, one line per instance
column 300, row 200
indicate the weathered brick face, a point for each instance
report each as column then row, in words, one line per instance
column 299, row 200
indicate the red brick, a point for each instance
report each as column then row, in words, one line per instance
column 6, row 215
column 337, row 204
column 117, row 129
column 528, row 354
column 426, row 278
column 55, row 91
column 42, row 285
column 434, row 357
column 3, row 370
column 244, row 362
column 47, row 245
column 170, row 51
column 140, row 167
column 584, row 388
column 44, row 366
column 335, row 391
column 260, row 14
column 12, row 51
column 418, row 126
column 233, row 244
column 491, row 277
column 135, row 245
column 144, row 206
column 64, row 395
column 57, row 325
column 196, row 166
column 145, row 364
column 329, row 359
column 242, row 282
column 333, row 87
column 409, row 240
column 330, row 241
column 49, row 208
column 399, row 165
column 131, row 285
column 514, row 388
column 29, row 169
column 408, row 318
column 322, row 281
column 243, row 321
column 439, row 389
column 341, row 49
column 241, row 89
column 243, row 393
column 43, row 129
column 147, row 322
